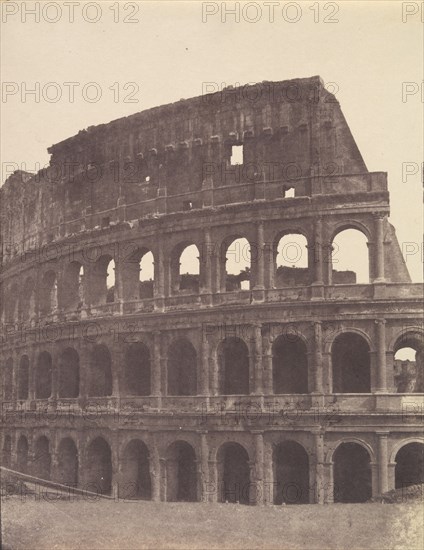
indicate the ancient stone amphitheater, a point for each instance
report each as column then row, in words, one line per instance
column 128, row 373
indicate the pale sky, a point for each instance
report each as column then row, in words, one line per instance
column 368, row 54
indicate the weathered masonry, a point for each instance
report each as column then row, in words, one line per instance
column 146, row 354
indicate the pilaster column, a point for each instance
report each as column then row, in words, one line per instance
column 207, row 262
column 159, row 286
column 317, row 358
column 32, row 367
column 214, row 372
column 319, row 473
column 383, row 474
column 214, row 482
column 329, row 486
column 381, row 356
column 379, row 247
column 259, row 466
column 317, row 255
column 156, row 375
column 204, row 366
column 268, row 475
column 257, row 329
column 267, row 365
column 155, row 471
column 260, row 256
column 204, row 476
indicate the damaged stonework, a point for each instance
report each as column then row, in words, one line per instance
column 128, row 373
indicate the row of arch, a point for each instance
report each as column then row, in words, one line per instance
column 350, row 354
column 352, row 470
column 95, row 282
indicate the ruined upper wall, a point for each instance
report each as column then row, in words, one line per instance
column 293, row 134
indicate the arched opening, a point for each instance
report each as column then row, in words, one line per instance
column 42, row 458
column 349, row 258
column 233, row 359
column 22, row 455
column 67, row 469
column 43, row 376
column 182, row 368
column 409, row 364
column 352, row 473
column 23, row 378
column 181, row 474
column 185, row 268
column 48, row 293
column 12, row 303
column 291, row 473
column 100, row 384
column 73, row 281
column 28, row 299
column 103, row 280
column 137, row 369
column 409, row 468
column 69, row 373
column 7, row 451
column 146, row 275
column 236, row 273
column 233, row 474
column 8, row 380
column 139, row 275
column 290, row 365
column 291, row 261
column 99, row 467
column 351, row 364
column 136, row 482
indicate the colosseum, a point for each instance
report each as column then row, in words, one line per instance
column 156, row 346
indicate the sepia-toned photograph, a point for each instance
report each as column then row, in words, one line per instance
column 211, row 275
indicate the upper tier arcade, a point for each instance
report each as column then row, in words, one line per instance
column 254, row 142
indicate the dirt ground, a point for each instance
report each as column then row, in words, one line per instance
column 39, row 524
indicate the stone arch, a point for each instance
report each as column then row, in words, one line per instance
column 235, row 263
column 12, row 303
column 69, row 373
column 233, row 361
column 182, row 368
column 135, row 466
column 42, row 458
column 28, row 302
column 100, row 379
column 233, row 473
column 68, row 462
column 181, row 473
column 23, row 378
column 291, row 259
column 43, row 376
column 137, row 369
column 351, row 363
column 352, row 472
column 22, row 454
column 73, row 286
column 8, row 379
column 409, row 469
column 409, row 373
column 98, row 467
column 185, row 257
column 48, row 292
column 7, row 451
column 289, row 364
column 291, row 473
column 102, row 287
column 139, row 275
column 353, row 233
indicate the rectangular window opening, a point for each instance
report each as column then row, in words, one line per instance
column 236, row 155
